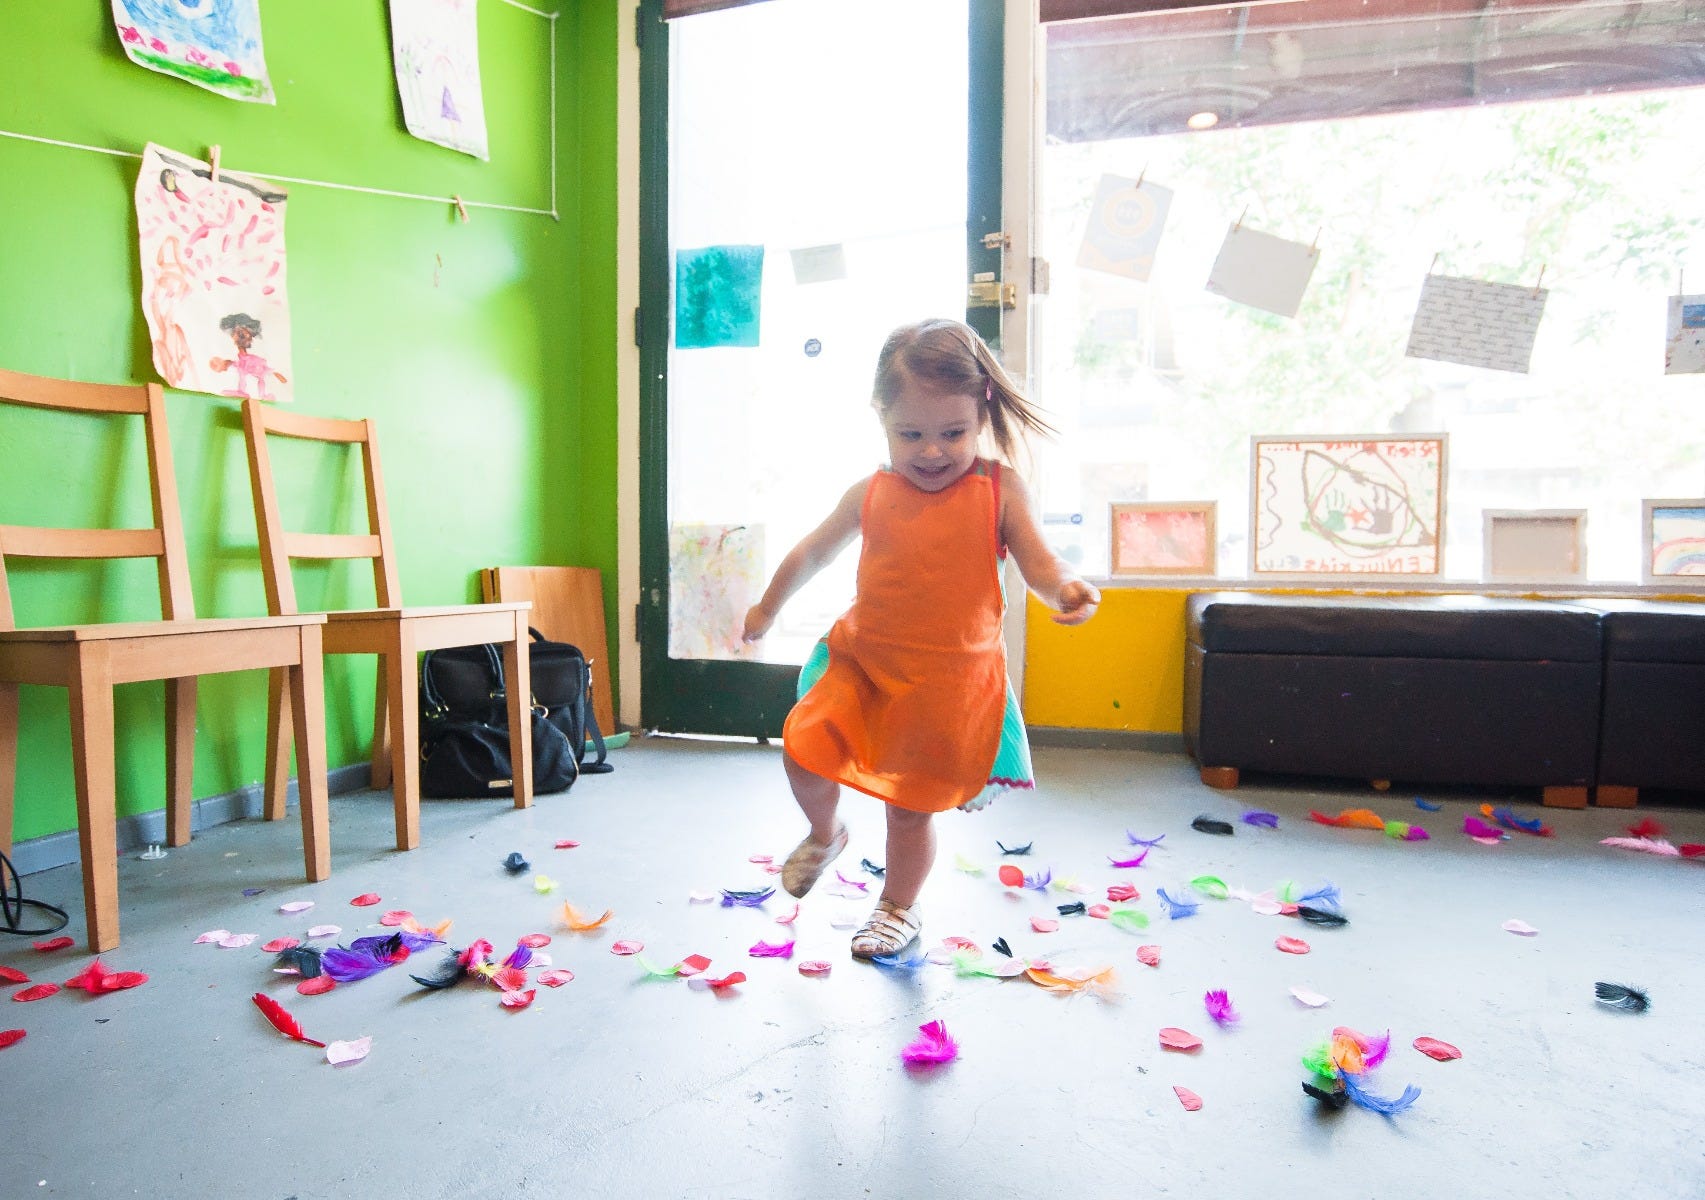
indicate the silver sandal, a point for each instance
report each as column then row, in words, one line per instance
column 889, row 930
column 802, row 868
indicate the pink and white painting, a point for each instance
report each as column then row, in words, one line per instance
column 213, row 277
column 435, row 48
column 214, row 44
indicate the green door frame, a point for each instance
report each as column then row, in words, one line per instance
column 752, row 699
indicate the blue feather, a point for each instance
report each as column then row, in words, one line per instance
column 1427, row 805
column 1137, row 841
column 1266, row 820
column 1177, row 909
column 900, row 963
column 1324, row 896
column 1379, row 1104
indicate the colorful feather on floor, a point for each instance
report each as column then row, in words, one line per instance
column 1340, row 1067
column 1645, row 845
column 1151, row 843
column 282, row 1020
column 1220, row 1008
column 1351, row 818
column 1178, row 908
column 934, row 1046
column 1211, row 886
column 1206, row 824
column 1128, row 862
column 1509, row 820
column 446, row 973
column 1024, row 849
column 1263, row 820
column 1321, row 916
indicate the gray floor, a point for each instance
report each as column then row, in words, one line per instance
column 617, row 1085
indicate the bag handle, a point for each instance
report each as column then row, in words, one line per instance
column 436, row 707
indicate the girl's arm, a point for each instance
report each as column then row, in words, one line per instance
column 1055, row 583
column 814, row 552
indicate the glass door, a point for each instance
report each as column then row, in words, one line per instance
column 805, row 189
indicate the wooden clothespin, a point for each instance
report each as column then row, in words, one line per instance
column 1538, row 281
column 461, row 209
column 213, row 161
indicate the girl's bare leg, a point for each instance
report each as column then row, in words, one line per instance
column 817, row 798
column 911, row 853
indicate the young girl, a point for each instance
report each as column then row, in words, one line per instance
column 907, row 698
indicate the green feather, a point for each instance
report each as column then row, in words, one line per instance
column 1211, row 885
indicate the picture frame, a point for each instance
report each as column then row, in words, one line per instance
column 1165, row 537
column 1370, row 505
column 1534, row 545
column 1672, row 541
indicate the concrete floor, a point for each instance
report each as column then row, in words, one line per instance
column 620, row 1086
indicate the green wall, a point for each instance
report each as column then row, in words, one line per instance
column 485, row 351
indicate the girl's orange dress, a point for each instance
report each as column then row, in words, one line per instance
column 912, row 704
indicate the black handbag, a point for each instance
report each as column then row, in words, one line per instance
column 562, row 686
column 464, row 730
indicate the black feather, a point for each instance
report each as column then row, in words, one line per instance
column 1619, row 995
column 515, row 864
column 873, row 868
column 448, row 973
column 1320, row 916
column 1210, row 825
column 1329, row 1099
column 305, row 959
column 1000, row 945
column 1072, row 910
column 1024, row 849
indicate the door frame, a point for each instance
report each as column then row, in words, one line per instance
column 745, row 698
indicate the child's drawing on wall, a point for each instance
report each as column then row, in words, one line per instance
column 435, row 48
column 214, row 44
column 213, row 278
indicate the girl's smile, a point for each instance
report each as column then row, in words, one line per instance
column 932, row 436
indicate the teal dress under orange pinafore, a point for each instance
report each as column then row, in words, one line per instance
column 907, row 698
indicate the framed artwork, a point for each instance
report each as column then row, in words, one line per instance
column 1547, row 544
column 1347, row 504
column 1163, row 538
column 1672, row 540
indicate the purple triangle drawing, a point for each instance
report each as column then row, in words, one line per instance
column 447, row 107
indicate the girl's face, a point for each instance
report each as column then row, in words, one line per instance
column 932, row 435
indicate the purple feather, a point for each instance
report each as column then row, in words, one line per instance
column 1180, row 908
column 745, row 899
column 1040, row 880
column 519, row 957
column 1128, row 862
column 935, row 1045
column 860, row 884
column 1220, row 1008
column 1374, row 1052
column 348, row 965
column 772, row 950
column 1151, row 843
column 1266, row 820
column 413, row 942
column 1379, row 1104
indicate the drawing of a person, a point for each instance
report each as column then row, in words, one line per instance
column 244, row 329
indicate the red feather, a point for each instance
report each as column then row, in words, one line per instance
column 283, row 1021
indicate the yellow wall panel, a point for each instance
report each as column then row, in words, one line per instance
column 1123, row 670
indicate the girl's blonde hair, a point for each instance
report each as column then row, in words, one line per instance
column 948, row 355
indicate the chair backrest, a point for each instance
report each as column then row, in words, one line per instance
column 279, row 546
column 164, row 541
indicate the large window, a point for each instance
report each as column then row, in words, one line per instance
column 1159, row 385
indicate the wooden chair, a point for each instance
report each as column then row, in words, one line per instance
column 394, row 633
column 90, row 660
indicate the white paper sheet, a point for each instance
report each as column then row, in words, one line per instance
column 214, row 44
column 1263, row 271
column 1477, row 323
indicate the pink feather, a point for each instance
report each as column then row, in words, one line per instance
column 934, row 1045
column 1475, row 827
column 1648, row 845
column 1220, row 1008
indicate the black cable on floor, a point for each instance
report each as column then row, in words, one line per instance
column 13, row 902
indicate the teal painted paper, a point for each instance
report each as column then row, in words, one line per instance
column 717, row 292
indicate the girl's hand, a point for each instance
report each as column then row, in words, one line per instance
column 1078, row 602
column 758, row 623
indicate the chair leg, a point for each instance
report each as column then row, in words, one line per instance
column 280, row 720
column 97, row 812
column 8, row 762
column 381, row 757
column 517, row 669
column 308, row 705
column 402, row 677
column 1220, row 777
column 1564, row 797
column 180, row 759
column 1610, row 795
